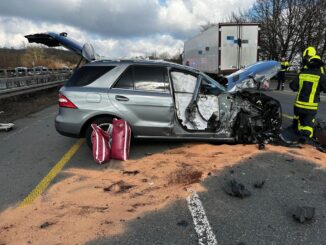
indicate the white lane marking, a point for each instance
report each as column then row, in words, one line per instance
column 202, row 226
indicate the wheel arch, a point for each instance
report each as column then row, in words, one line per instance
column 94, row 117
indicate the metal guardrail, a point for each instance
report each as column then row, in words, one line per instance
column 19, row 85
column 6, row 73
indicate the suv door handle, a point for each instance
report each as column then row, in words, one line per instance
column 121, row 98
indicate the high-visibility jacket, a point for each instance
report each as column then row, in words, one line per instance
column 309, row 83
column 284, row 65
column 322, row 70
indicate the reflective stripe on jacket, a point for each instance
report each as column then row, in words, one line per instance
column 284, row 65
column 306, row 98
column 322, row 71
column 309, row 84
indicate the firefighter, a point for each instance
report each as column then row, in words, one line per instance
column 309, row 83
column 281, row 74
column 307, row 54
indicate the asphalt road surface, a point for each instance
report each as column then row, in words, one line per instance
column 30, row 151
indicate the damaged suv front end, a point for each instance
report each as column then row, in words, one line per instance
column 243, row 113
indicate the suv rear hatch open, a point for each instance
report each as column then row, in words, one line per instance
column 52, row 39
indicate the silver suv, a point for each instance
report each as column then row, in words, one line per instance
column 159, row 100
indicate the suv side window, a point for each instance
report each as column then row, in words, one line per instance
column 145, row 78
column 86, row 75
column 126, row 81
column 149, row 78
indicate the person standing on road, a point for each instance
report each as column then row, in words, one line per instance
column 281, row 74
column 309, row 83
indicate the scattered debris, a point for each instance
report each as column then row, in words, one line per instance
column 6, row 126
column 217, row 153
column 134, row 172
column 46, row 224
column 261, row 146
column 303, row 214
column 320, row 136
column 72, row 192
column 93, row 209
column 7, row 227
column 182, row 223
column 108, row 222
column 119, row 187
column 321, row 149
column 259, row 184
column 290, row 160
column 233, row 188
column 185, row 176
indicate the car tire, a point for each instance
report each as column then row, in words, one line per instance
column 101, row 121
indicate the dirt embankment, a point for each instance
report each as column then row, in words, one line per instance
column 90, row 204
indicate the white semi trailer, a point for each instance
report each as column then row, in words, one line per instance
column 224, row 48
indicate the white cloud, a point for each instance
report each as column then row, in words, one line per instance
column 121, row 28
column 113, row 48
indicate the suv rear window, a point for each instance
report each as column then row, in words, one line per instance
column 86, row 75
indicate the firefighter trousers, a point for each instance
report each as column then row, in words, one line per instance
column 280, row 80
column 303, row 122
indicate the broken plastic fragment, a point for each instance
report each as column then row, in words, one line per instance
column 182, row 223
column 261, row 146
column 303, row 214
column 233, row 188
column 119, row 187
column 46, row 224
column 134, row 172
column 259, row 184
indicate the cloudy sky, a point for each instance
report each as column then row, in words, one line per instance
column 116, row 28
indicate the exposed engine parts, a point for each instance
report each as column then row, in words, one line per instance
column 248, row 117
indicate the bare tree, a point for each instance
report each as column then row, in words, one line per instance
column 288, row 26
column 206, row 26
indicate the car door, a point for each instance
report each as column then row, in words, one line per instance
column 142, row 97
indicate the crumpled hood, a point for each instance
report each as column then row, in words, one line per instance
column 251, row 75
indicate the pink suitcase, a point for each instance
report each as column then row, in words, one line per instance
column 121, row 134
column 101, row 145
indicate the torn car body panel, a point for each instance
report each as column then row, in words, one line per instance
column 252, row 76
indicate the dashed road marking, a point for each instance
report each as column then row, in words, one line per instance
column 202, row 226
column 38, row 190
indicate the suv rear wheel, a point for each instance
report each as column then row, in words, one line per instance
column 102, row 122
